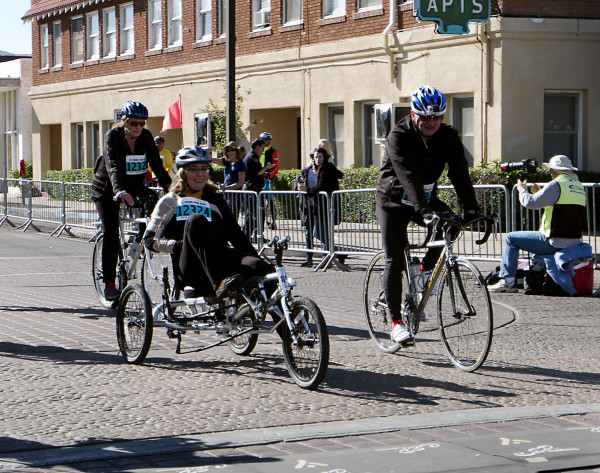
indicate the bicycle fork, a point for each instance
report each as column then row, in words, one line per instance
column 457, row 279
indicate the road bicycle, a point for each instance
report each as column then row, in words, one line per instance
column 132, row 223
column 464, row 309
column 237, row 320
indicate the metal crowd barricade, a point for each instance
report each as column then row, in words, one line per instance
column 245, row 208
column 530, row 219
column 17, row 202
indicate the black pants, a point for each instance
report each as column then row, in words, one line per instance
column 393, row 220
column 204, row 262
column 108, row 211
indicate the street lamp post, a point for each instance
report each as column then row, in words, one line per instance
column 230, row 71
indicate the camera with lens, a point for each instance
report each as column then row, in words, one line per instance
column 527, row 166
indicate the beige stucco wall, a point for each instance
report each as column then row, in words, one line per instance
column 505, row 65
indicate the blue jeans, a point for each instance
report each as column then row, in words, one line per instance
column 533, row 242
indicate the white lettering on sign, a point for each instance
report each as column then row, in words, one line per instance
column 543, row 449
column 476, row 6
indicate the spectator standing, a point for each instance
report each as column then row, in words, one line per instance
column 235, row 174
column 326, row 144
column 270, row 155
column 255, row 181
column 320, row 176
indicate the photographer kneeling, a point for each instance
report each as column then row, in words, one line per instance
column 562, row 223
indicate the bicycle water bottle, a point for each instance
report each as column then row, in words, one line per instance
column 133, row 248
column 416, row 275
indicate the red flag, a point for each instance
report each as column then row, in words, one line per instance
column 173, row 117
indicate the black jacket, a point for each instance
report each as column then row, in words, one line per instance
column 254, row 181
column 409, row 163
column 328, row 180
column 111, row 176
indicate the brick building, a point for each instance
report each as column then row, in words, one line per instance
column 525, row 84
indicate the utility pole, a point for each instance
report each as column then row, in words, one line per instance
column 230, row 71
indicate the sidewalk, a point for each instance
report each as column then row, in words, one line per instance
column 70, row 404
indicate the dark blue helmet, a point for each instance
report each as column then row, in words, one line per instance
column 265, row 135
column 191, row 155
column 428, row 101
column 134, row 109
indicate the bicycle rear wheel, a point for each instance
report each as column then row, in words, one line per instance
column 378, row 320
column 244, row 344
column 134, row 324
column 307, row 360
column 465, row 327
column 98, row 273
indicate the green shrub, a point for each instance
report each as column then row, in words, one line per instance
column 72, row 193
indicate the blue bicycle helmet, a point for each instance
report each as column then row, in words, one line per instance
column 428, row 101
column 191, row 155
column 134, row 110
column 265, row 135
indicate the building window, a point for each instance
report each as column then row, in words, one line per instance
column 203, row 20
column 109, row 33
column 463, row 121
column 126, row 29
column 77, row 40
column 334, row 7
column 221, row 12
column 261, row 13
column 174, row 26
column 44, row 47
column 57, row 43
column 292, row 11
column 96, row 142
column 79, row 147
column 369, row 4
column 154, row 24
column 93, row 36
column 335, row 131
column 562, row 125
column 371, row 150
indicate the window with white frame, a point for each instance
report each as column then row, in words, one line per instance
column 334, row 7
column 261, row 14
column 109, row 33
column 174, row 26
column 369, row 4
column 79, row 146
column 292, row 11
column 126, row 29
column 463, row 120
column 335, row 131
column 44, row 47
column 371, row 150
column 203, row 20
column 77, row 40
column 57, row 44
column 221, row 12
column 96, row 141
column 154, row 24
column 562, row 134
column 92, row 32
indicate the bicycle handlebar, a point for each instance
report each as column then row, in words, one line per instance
column 453, row 220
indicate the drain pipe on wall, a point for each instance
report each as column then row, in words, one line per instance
column 386, row 45
column 484, row 40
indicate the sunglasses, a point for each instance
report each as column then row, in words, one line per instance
column 426, row 118
column 141, row 123
column 197, row 170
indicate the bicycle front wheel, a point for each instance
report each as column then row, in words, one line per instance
column 378, row 320
column 307, row 360
column 465, row 315
column 134, row 324
column 98, row 273
column 152, row 276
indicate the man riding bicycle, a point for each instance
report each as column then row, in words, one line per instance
column 418, row 149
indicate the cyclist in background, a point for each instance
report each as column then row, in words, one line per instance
column 418, row 149
column 129, row 149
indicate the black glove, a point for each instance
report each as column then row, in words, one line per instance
column 470, row 215
column 178, row 246
column 149, row 241
column 427, row 215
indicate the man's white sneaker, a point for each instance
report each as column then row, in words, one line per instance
column 399, row 333
column 503, row 286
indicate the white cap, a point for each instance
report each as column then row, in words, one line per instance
column 560, row 163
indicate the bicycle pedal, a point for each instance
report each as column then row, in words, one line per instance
column 408, row 343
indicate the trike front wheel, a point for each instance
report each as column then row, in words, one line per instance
column 307, row 358
column 134, row 324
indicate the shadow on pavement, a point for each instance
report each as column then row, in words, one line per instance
column 88, row 313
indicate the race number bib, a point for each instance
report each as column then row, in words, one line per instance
column 187, row 206
column 136, row 164
column 428, row 188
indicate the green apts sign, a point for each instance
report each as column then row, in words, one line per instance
column 453, row 16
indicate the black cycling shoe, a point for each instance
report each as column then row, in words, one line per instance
column 230, row 284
